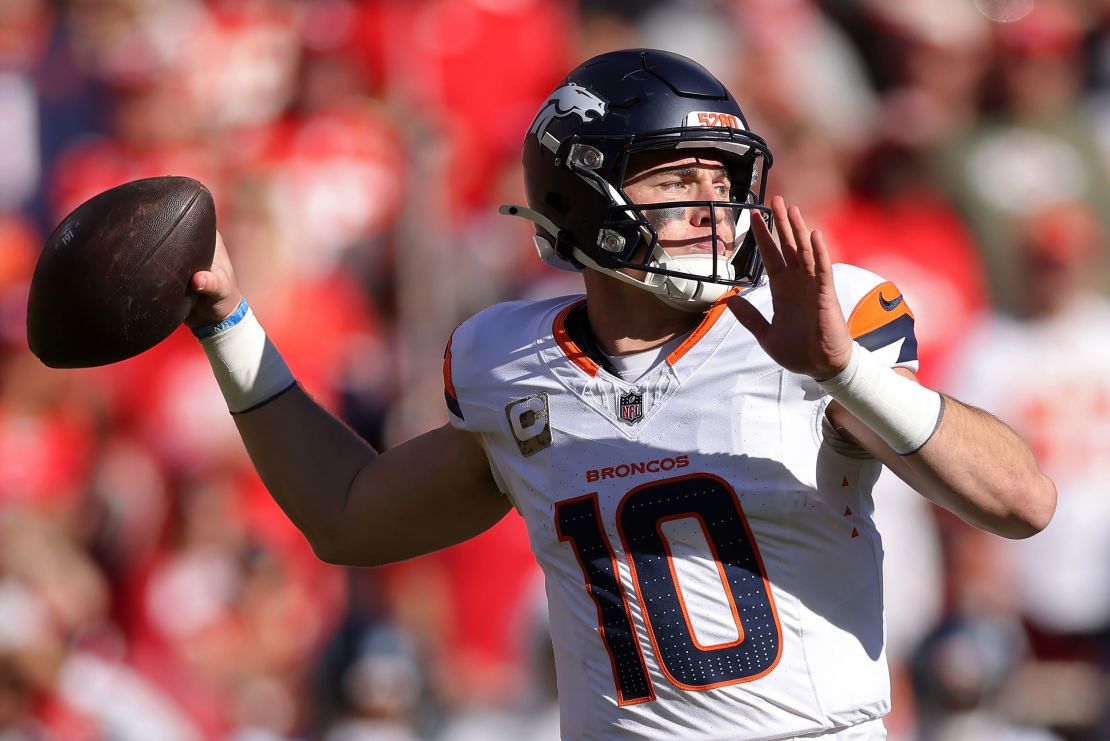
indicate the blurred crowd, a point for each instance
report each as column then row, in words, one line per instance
column 357, row 151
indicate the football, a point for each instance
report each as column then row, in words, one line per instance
column 113, row 278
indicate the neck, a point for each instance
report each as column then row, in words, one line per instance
column 626, row 319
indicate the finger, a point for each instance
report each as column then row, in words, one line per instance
column 765, row 243
column 823, row 267
column 821, row 259
column 786, row 239
column 801, row 239
column 749, row 316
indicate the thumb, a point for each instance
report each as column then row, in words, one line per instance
column 205, row 283
column 749, row 316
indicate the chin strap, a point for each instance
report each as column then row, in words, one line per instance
column 685, row 294
column 686, row 290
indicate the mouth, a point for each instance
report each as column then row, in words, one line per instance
column 702, row 244
column 707, row 247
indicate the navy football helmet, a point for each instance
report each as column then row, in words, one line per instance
column 576, row 157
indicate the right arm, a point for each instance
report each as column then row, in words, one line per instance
column 356, row 507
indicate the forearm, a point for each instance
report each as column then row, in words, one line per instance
column 358, row 508
column 305, row 456
column 974, row 465
column 355, row 507
column 960, row 457
column 980, row 469
column 307, row 459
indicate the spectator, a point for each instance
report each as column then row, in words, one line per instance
column 1044, row 371
column 1036, row 146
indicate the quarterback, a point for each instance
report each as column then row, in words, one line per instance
column 692, row 442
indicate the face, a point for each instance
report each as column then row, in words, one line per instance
column 659, row 177
column 1060, row 252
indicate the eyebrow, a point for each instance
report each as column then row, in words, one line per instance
column 682, row 172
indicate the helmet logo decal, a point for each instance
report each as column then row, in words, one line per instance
column 568, row 99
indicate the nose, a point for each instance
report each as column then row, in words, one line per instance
column 704, row 215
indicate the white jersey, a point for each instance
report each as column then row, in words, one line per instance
column 711, row 564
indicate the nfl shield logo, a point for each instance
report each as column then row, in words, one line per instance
column 632, row 407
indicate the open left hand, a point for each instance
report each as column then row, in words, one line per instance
column 807, row 334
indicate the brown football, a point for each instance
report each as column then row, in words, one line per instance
column 113, row 278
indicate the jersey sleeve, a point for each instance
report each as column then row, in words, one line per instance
column 473, row 368
column 464, row 383
column 878, row 316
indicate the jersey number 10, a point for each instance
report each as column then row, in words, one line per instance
column 640, row 517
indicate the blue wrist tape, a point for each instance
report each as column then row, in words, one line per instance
column 210, row 329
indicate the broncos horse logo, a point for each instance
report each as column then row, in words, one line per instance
column 568, row 99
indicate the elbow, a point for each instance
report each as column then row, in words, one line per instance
column 329, row 554
column 324, row 548
column 1036, row 510
column 332, row 549
column 1044, row 504
column 337, row 550
column 338, row 557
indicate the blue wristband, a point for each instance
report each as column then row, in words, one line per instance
column 212, row 329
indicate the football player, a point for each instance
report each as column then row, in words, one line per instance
column 692, row 442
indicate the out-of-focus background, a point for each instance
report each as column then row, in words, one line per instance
column 357, row 151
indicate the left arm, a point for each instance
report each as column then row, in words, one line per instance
column 973, row 464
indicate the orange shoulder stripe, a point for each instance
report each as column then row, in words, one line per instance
column 882, row 305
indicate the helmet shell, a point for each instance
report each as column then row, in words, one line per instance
column 616, row 104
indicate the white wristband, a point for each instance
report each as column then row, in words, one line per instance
column 247, row 366
column 904, row 413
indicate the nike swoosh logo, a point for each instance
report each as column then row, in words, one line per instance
column 890, row 305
